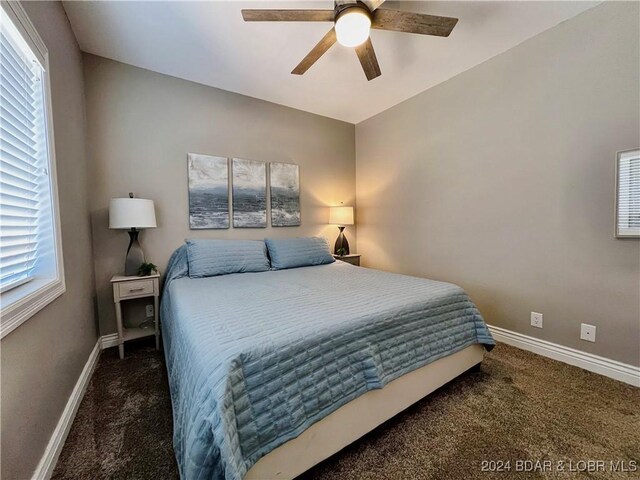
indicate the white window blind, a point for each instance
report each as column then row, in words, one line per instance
column 31, row 267
column 628, row 196
column 23, row 159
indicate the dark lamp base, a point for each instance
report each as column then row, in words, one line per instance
column 135, row 255
column 342, row 246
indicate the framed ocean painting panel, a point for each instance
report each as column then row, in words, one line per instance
column 285, row 194
column 208, row 191
column 249, row 180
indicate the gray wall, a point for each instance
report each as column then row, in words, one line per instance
column 42, row 359
column 502, row 180
column 141, row 125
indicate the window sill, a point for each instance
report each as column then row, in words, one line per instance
column 21, row 303
column 628, row 233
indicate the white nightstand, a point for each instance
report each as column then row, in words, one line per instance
column 128, row 288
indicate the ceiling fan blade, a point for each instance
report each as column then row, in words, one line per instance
column 250, row 15
column 316, row 52
column 373, row 4
column 368, row 60
column 410, row 22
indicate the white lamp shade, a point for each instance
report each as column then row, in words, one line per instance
column 129, row 213
column 341, row 215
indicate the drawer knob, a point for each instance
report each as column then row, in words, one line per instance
column 137, row 289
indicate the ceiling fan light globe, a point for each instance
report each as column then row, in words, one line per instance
column 352, row 28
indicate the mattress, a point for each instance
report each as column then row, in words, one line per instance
column 254, row 359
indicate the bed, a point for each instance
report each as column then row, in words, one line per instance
column 272, row 372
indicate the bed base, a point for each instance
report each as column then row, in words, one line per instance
column 358, row 417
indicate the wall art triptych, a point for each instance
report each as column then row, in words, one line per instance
column 209, row 193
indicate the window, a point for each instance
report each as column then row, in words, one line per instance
column 628, row 194
column 31, row 272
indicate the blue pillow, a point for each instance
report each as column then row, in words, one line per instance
column 298, row 252
column 208, row 258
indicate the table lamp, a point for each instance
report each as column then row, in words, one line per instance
column 341, row 216
column 133, row 214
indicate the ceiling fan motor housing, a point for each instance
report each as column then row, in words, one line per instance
column 359, row 6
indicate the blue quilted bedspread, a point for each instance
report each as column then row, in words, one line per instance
column 256, row 358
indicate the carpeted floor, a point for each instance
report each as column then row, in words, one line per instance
column 518, row 407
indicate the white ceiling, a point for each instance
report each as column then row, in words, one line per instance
column 209, row 43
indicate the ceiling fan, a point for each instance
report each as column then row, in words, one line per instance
column 352, row 21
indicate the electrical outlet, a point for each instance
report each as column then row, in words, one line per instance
column 536, row 319
column 149, row 310
column 588, row 332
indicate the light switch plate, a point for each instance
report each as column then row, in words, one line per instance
column 149, row 310
column 588, row 332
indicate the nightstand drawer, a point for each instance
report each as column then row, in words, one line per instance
column 132, row 289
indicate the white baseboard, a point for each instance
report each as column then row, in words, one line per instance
column 110, row 340
column 609, row 368
column 44, row 470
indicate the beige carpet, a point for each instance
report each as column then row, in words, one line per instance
column 519, row 407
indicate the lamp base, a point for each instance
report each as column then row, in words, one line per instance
column 135, row 255
column 342, row 246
